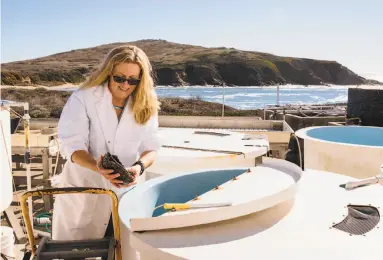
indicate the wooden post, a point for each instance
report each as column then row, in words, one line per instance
column 47, row 170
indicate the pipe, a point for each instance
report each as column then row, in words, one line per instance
column 223, row 101
column 180, row 206
column 366, row 182
column 357, row 184
column 43, row 220
column 299, row 150
column 27, row 156
column 57, row 156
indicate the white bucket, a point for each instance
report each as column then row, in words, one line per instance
column 7, row 240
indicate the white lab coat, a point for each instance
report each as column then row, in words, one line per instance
column 89, row 122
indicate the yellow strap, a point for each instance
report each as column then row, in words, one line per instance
column 176, row 206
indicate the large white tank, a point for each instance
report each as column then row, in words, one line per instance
column 189, row 149
column 6, row 191
column 247, row 189
column 355, row 151
column 320, row 221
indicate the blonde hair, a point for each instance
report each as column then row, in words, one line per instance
column 144, row 99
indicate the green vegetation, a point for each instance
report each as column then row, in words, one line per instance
column 271, row 66
column 10, row 78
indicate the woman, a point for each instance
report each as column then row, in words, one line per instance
column 116, row 111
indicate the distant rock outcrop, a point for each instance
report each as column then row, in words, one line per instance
column 180, row 64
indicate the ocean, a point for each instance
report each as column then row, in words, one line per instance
column 257, row 97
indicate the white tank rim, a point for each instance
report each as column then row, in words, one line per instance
column 225, row 213
column 302, row 133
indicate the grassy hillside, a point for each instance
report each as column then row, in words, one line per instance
column 180, row 64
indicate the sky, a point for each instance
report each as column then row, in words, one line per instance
column 348, row 31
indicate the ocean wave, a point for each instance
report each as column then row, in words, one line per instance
column 252, row 98
column 288, row 86
column 340, row 98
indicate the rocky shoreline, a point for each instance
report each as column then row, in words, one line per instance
column 45, row 103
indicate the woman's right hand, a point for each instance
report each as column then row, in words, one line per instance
column 108, row 174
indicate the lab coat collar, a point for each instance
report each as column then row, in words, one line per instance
column 106, row 114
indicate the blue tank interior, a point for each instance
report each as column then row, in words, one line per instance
column 359, row 135
column 144, row 198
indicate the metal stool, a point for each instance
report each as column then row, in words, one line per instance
column 108, row 248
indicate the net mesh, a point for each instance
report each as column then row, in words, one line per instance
column 360, row 220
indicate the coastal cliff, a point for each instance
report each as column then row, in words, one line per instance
column 179, row 64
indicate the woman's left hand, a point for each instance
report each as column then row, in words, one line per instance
column 135, row 170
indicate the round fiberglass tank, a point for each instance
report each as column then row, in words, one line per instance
column 243, row 191
column 355, row 151
column 189, row 149
column 322, row 221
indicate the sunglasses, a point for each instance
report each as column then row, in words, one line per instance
column 122, row 80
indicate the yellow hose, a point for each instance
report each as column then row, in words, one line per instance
column 176, row 206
